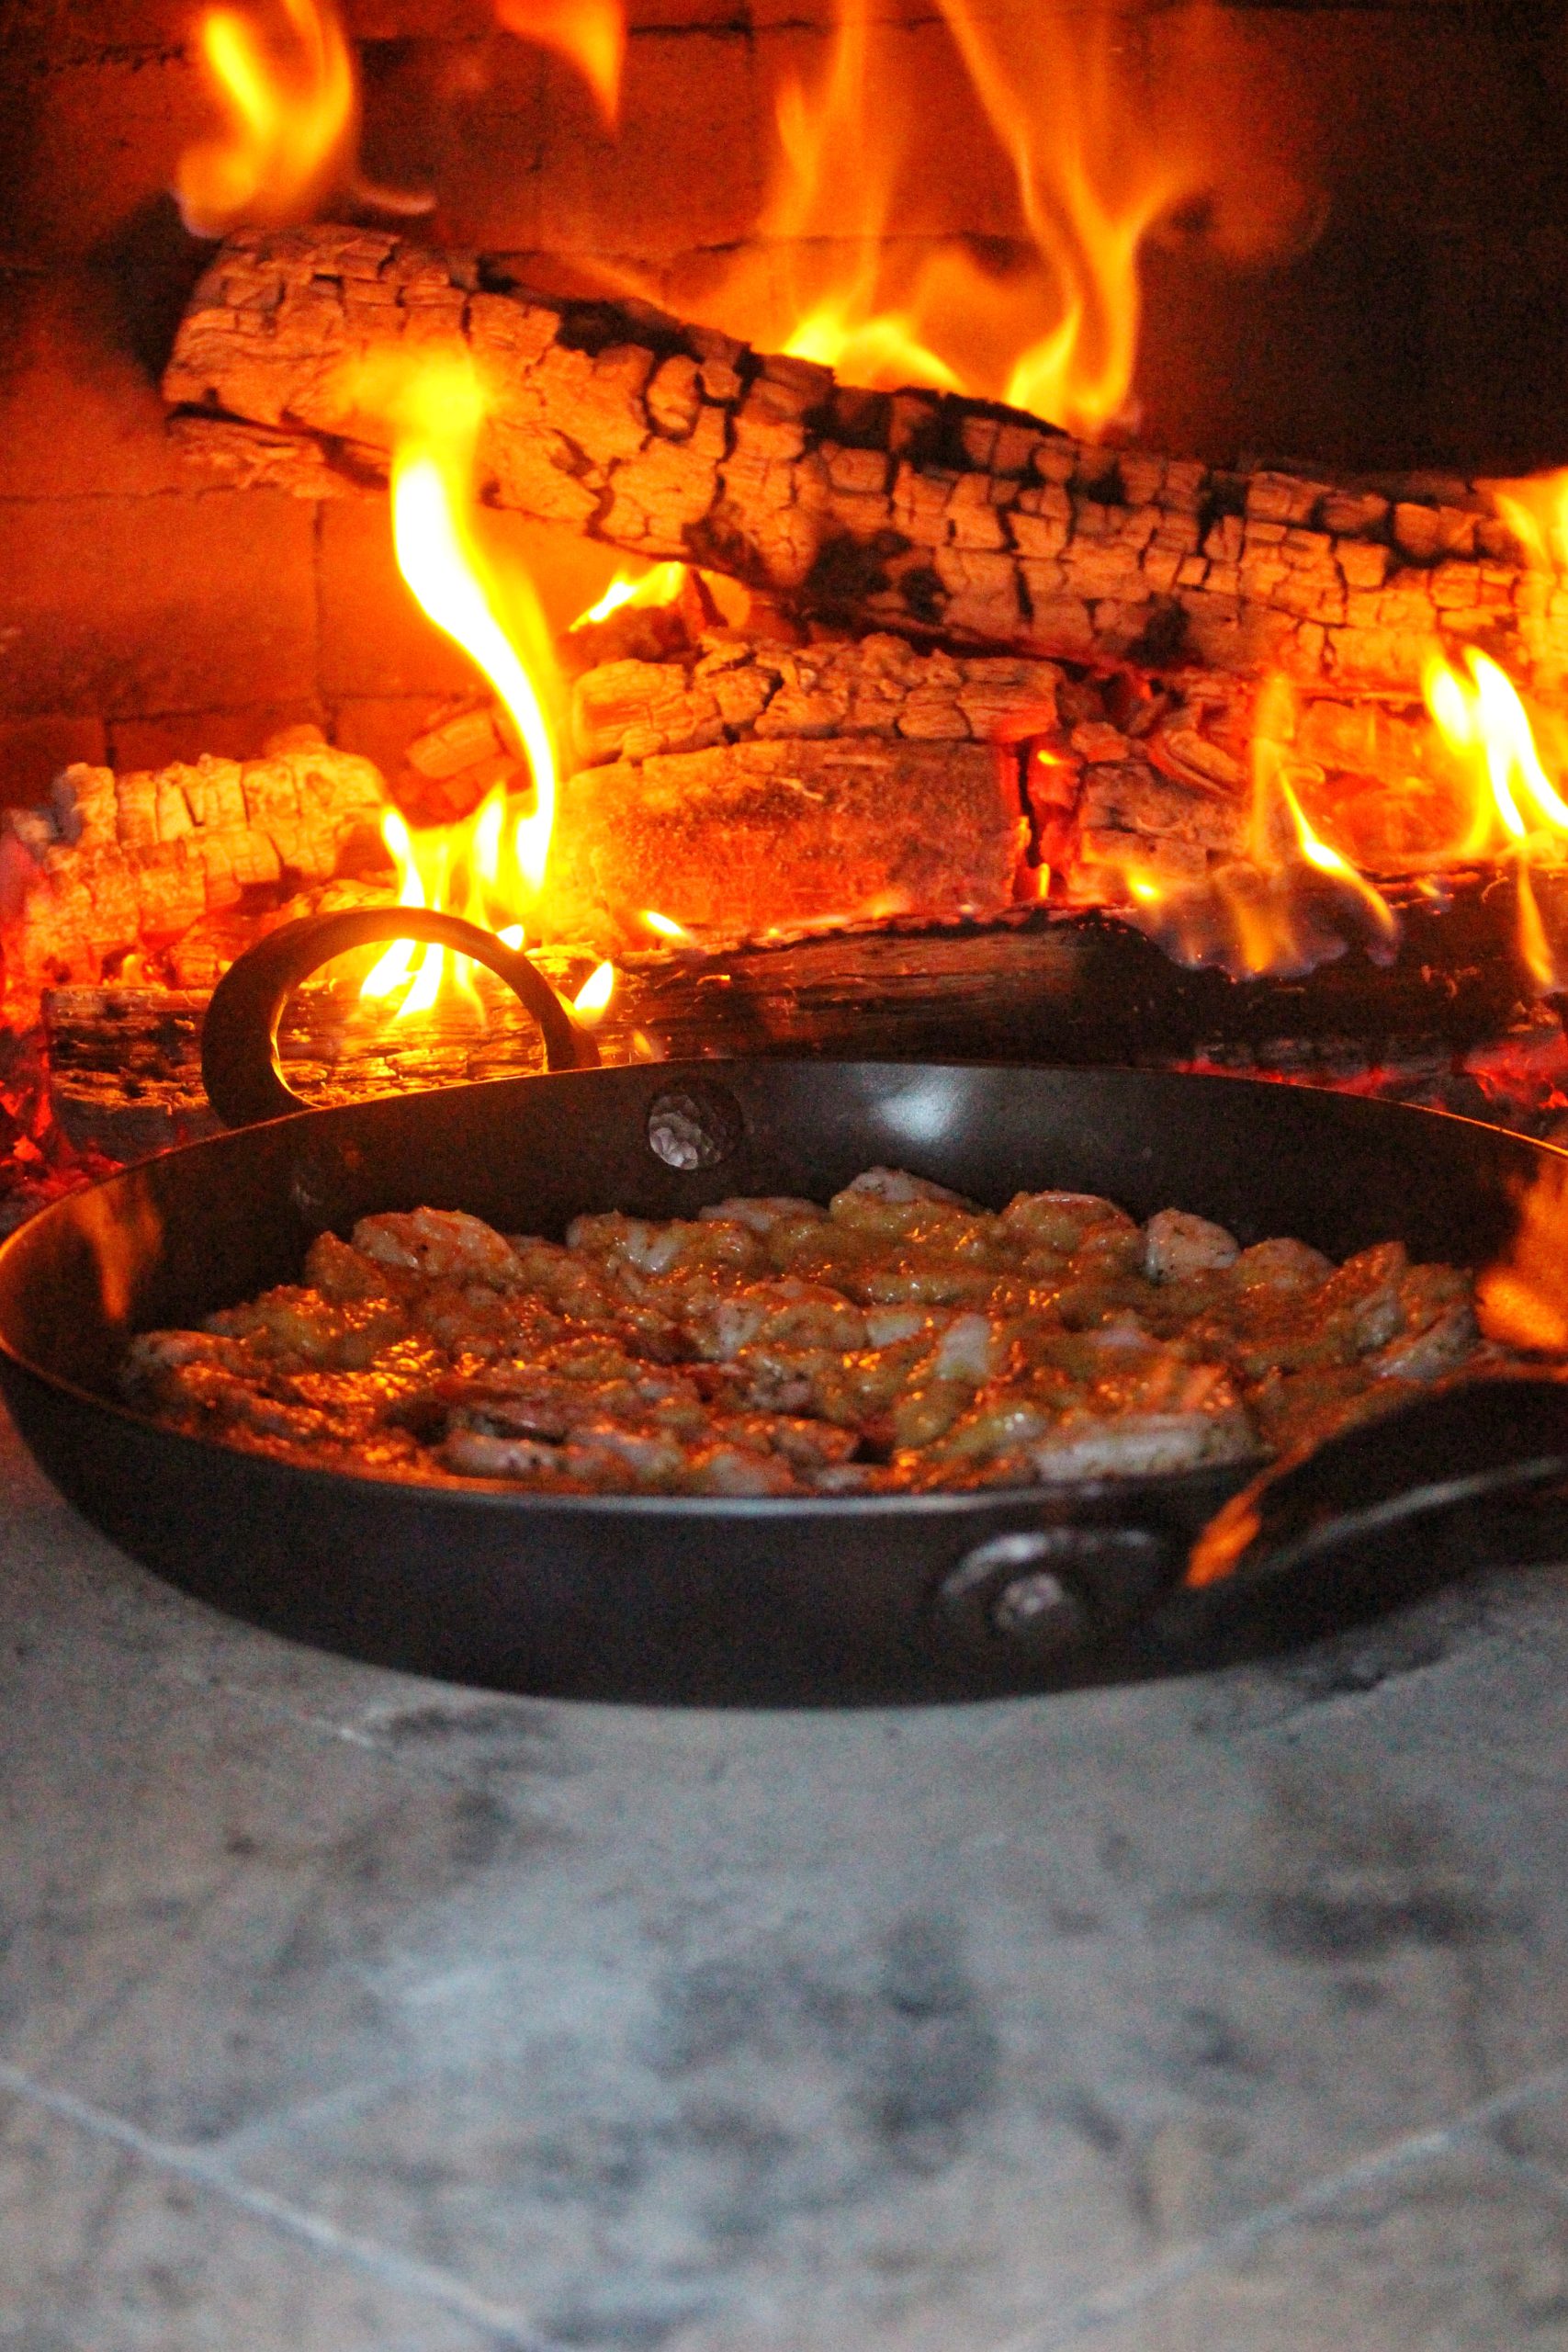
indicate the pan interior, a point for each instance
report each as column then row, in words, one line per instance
column 171, row 1239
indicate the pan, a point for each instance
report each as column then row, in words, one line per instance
column 768, row 1600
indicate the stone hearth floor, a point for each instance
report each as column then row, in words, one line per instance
column 345, row 2012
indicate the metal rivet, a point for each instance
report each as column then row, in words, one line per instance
column 694, row 1126
column 1037, row 1607
column 1049, row 1588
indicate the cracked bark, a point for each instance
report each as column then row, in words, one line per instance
column 914, row 511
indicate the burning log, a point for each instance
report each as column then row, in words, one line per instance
column 733, row 688
column 124, row 1062
column 1160, row 797
column 116, row 865
column 755, row 790
column 895, row 830
column 913, row 510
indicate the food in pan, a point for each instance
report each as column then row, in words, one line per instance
column 900, row 1339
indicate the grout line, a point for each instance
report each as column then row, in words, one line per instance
column 1097, row 2312
column 507, row 2329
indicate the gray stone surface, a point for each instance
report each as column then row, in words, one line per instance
column 341, row 2009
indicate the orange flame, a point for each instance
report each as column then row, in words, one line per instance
column 665, row 926
column 431, row 485
column 1522, row 1298
column 1536, row 511
column 495, row 861
column 1294, row 898
column 840, row 275
column 292, row 105
column 590, row 34
column 592, row 999
column 661, row 585
column 1292, row 902
column 1517, row 811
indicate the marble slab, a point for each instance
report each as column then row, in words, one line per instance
column 343, row 2007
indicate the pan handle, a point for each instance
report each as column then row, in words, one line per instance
column 1383, row 1510
column 1336, row 1532
column 1479, row 1440
column 240, row 1065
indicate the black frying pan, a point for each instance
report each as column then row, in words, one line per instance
column 872, row 1598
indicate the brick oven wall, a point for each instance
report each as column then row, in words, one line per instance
column 142, row 618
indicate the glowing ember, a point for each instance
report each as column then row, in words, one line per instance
column 288, row 90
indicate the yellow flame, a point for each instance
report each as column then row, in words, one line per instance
column 438, row 418
column 1536, row 511
column 590, row 34
column 495, row 860
column 1481, row 790
column 842, row 271
column 1516, row 811
column 287, row 88
column 661, row 585
column 1265, row 912
column 592, row 999
column 665, row 925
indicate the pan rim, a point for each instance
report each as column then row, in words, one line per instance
column 1062, row 1497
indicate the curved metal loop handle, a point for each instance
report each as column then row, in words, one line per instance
column 240, row 1065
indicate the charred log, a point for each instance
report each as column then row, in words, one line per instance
column 114, row 866
column 749, row 840
column 911, row 509
column 1041, row 987
column 731, row 687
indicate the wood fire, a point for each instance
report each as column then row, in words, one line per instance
column 882, row 662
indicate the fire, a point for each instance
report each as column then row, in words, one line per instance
column 493, row 864
column 590, row 34
column 288, row 90
column 1302, row 887
column 592, row 999
column 842, row 273
column 1485, row 724
column 432, row 487
column 287, row 81
column 1293, row 901
column 1522, row 1298
column 1536, row 511
column 661, row 585
column 1517, row 813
